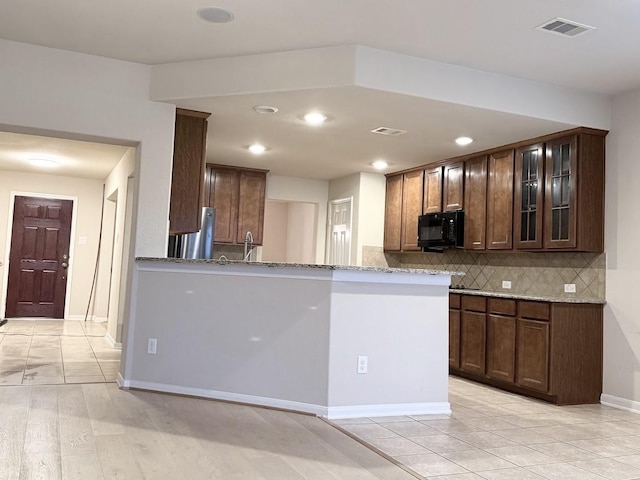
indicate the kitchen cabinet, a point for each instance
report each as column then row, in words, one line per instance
column 549, row 350
column 501, row 339
column 574, row 193
column 528, row 192
column 187, row 177
column 238, row 196
column 475, row 200
column 393, row 214
column 411, row 209
column 499, row 233
column 454, row 330
column 453, row 187
column 403, row 206
column 473, row 326
column 432, row 201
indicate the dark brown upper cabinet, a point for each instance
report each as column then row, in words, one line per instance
column 453, row 187
column 238, row 195
column 574, row 193
column 432, row 202
column 475, row 201
column 500, row 201
column 187, row 177
column 528, row 190
column 393, row 214
column 411, row 209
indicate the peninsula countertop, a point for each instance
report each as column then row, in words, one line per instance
column 351, row 268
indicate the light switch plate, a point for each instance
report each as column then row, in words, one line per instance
column 569, row 288
column 506, row 284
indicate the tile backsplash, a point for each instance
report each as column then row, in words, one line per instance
column 542, row 274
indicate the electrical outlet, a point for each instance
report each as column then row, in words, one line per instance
column 506, row 284
column 363, row 364
column 569, row 288
column 152, row 346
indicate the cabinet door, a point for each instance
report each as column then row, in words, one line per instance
column 432, row 191
column 528, row 192
column 475, row 200
column 501, row 347
column 187, row 178
column 223, row 196
column 251, row 205
column 393, row 214
column 500, row 201
column 533, row 354
column 473, row 330
column 453, row 187
column 560, row 193
column 454, row 338
column 411, row 209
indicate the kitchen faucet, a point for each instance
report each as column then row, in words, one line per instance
column 248, row 246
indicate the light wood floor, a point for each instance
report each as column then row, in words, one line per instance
column 96, row 431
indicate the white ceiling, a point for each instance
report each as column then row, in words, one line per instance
column 491, row 35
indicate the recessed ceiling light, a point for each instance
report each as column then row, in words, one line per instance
column 379, row 164
column 215, row 15
column 257, row 149
column 315, row 118
column 43, row 162
column 265, row 109
column 462, row 141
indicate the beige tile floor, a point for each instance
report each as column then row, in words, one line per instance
column 497, row 435
column 37, row 352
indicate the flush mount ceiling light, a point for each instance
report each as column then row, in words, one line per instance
column 265, row 109
column 379, row 164
column 257, row 149
column 462, row 141
column 315, row 118
column 42, row 162
column 215, row 15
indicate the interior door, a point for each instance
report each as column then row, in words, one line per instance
column 339, row 252
column 39, row 257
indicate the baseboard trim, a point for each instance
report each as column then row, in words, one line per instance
column 90, row 318
column 121, row 382
column 227, row 396
column 619, row 402
column 389, row 410
column 112, row 343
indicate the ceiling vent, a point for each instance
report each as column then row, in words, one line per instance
column 388, row 131
column 566, row 28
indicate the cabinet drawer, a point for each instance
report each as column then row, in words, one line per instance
column 454, row 301
column 475, row 304
column 502, row 306
column 536, row 310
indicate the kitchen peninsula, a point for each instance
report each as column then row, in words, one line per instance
column 335, row 341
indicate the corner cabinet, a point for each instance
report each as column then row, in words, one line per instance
column 403, row 206
column 548, row 350
column 238, row 195
column 187, row 177
column 393, row 214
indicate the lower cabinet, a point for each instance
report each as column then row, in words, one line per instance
column 549, row 350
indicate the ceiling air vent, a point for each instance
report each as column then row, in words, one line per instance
column 388, row 131
column 566, row 28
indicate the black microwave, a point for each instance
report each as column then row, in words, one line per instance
column 441, row 230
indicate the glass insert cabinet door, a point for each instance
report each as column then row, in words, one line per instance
column 560, row 193
column 528, row 197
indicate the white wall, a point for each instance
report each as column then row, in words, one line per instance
column 301, row 233
column 304, row 190
column 621, row 321
column 83, row 260
column 116, row 186
column 274, row 241
column 73, row 95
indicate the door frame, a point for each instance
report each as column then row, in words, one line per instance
column 327, row 250
column 5, row 274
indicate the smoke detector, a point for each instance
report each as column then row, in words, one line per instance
column 388, row 131
column 564, row 27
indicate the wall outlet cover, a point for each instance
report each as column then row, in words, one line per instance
column 363, row 364
column 506, row 284
column 152, row 346
column 569, row 288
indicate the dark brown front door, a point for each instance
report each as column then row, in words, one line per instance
column 39, row 257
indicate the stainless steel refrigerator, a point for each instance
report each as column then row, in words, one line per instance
column 198, row 245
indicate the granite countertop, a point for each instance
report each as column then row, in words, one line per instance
column 419, row 271
column 524, row 296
